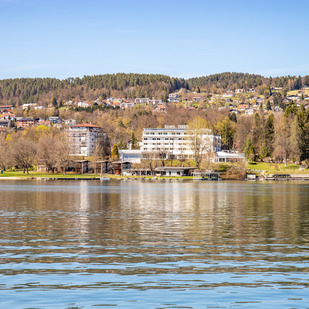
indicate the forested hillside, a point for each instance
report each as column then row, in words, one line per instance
column 43, row 90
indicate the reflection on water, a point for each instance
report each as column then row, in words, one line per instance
column 135, row 244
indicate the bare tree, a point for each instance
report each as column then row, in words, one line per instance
column 62, row 151
column 149, row 157
column 101, row 150
column 200, row 144
column 162, row 154
column 47, row 152
column 281, row 142
column 243, row 129
column 23, row 152
column 5, row 158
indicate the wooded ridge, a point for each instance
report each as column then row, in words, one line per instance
column 41, row 90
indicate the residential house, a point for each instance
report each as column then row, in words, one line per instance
column 69, row 122
column 228, row 94
column 29, row 105
column 43, row 122
column 260, row 100
column 54, row 120
column 7, row 114
column 293, row 98
column 301, row 92
column 127, row 105
column 249, row 111
column 6, row 107
column 84, row 104
column 155, row 102
column 68, row 103
column 39, row 107
column 173, row 98
column 197, row 99
column 160, row 108
column 243, row 106
column 4, row 123
column 23, row 122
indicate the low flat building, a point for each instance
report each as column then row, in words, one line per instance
column 224, row 157
column 173, row 171
column 120, row 167
column 132, row 156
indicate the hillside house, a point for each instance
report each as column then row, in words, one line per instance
column 7, row 115
column 243, row 106
column 25, row 122
column 84, row 104
column 228, row 94
column 29, row 105
column 173, row 98
column 6, row 107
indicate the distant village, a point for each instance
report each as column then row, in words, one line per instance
column 160, row 144
column 240, row 102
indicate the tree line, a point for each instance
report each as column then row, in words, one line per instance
column 44, row 90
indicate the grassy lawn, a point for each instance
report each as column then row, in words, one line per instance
column 45, row 175
column 294, row 92
column 32, row 174
column 273, row 168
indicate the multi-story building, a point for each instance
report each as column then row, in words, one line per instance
column 179, row 142
column 83, row 138
column 25, row 122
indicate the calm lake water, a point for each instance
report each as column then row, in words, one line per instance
column 134, row 244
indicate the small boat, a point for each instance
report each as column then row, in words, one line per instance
column 102, row 178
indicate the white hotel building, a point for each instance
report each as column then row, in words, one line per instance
column 177, row 142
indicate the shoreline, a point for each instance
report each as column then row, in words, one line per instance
column 141, row 178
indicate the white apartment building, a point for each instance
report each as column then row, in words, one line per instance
column 177, row 142
column 83, row 138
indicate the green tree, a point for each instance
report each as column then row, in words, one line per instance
column 249, row 149
column 133, row 141
column 54, row 102
column 291, row 109
column 295, row 141
column 233, row 117
column 268, row 106
column 227, row 131
column 115, row 153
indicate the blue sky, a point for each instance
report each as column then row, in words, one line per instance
column 43, row 38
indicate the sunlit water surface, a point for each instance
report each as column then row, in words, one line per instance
column 134, row 244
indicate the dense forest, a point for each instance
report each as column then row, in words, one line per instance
column 43, row 90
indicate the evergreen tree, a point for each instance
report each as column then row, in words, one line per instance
column 133, row 141
column 249, row 149
column 295, row 141
column 268, row 106
column 233, row 117
column 115, row 153
column 54, row 102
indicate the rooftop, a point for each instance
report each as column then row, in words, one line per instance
column 85, row 125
